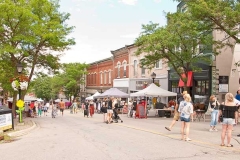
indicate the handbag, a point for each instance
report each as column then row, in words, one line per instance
column 210, row 109
column 221, row 117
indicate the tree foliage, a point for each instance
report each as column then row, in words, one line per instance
column 177, row 44
column 223, row 15
column 34, row 33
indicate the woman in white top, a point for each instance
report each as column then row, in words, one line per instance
column 186, row 112
column 130, row 105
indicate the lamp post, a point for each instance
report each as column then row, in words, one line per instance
column 19, row 69
column 153, row 75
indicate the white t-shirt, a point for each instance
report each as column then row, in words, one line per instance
column 185, row 109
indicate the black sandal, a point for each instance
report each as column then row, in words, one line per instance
column 167, row 128
column 230, row 145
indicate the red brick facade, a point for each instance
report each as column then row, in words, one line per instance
column 102, row 73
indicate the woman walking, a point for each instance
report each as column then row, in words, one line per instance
column 39, row 109
column 91, row 108
column 74, row 107
column 214, row 114
column 229, row 112
column 186, row 112
column 54, row 109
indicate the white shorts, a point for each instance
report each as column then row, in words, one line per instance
column 109, row 111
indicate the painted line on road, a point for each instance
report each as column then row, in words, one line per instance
column 177, row 137
column 173, row 137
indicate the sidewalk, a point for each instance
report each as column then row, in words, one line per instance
column 21, row 128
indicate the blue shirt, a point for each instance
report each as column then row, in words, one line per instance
column 238, row 97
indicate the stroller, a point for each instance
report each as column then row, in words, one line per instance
column 115, row 116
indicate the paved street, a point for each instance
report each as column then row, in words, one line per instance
column 73, row 137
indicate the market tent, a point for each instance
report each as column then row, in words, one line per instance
column 113, row 92
column 91, row 97
column 26, row 99
column 153, row 90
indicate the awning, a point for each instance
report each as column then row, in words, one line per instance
column 123, row 89
column 189, row 81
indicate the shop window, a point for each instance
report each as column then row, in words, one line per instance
column 202, row 87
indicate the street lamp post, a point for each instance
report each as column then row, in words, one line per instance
column 19, row 69
column 153, row 75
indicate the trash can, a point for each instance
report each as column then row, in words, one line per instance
column 6, row 118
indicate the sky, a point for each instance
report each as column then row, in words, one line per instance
column 102, row 26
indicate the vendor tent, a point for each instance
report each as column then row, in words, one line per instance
column 26, row 99
column 153, row 90
column 113, row 92
column 91, row 97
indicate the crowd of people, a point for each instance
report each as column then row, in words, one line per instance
column 225, row 113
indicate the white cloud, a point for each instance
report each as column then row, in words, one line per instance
column 128, row 2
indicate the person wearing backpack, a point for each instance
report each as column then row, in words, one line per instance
column 186, row 115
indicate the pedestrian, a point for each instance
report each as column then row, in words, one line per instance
column 54, row 109
column 104, row 110
column 130, row 106
column 214, row 112
column 176, row 113
column 86, row 106
column 228, row 110
column 61, row 106
column 74, row 107
column 110, row 109
column 91, row 108
column 45, row 109
column 134, row 108
column 47, row 106
column 39, row 109
column 186, row 115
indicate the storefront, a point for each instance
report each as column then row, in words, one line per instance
column 200, row 86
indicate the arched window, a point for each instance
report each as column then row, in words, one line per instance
column 124, row 69
column 101, row 78
column 109, row 77
column 118, row 70
column 105, row 77
column 135, row 67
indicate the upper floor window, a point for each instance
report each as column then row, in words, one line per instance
column 105, row 77
column 124, row 69
column 101, row 78
column 135, row 67
column 109, row 77
column 118, row 70
column 158, row 65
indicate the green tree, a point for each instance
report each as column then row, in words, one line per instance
column 177, row 44
column 34, row 33
column 42, row 87
column 72, row 77
column 222, row 15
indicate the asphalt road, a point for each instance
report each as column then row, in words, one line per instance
column 73, row 137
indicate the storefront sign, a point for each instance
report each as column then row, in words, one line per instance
column 5, row 121
column 223, row 84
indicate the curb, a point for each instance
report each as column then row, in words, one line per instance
column 22, row 132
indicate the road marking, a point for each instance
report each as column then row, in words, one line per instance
column 173, row 137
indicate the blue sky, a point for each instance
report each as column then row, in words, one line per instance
column 105, row 25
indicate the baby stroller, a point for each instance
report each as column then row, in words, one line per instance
column 115, row 116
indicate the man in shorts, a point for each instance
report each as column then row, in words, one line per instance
column 61, row 106
column 176, row 113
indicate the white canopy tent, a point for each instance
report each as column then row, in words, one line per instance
column 92, row 97
column 153, row 90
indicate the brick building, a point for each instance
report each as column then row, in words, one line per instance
column 99, row 77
